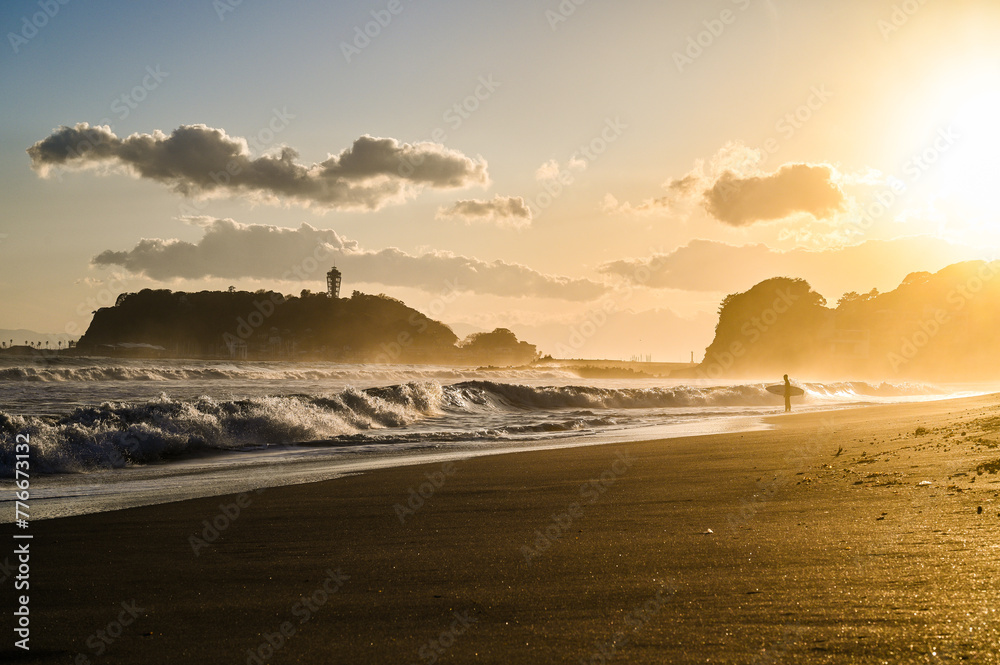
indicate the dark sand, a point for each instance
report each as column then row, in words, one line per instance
column 814, row 557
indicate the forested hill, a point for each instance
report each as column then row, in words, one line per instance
column 269, row 325
column 941, row 326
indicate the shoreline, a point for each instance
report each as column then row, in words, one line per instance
column 218, row 473
column 562, row 555
column 59, row 495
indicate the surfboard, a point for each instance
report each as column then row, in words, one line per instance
column 779, row 389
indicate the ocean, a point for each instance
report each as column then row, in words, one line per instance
column 108, row 434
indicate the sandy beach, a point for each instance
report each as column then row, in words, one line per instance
column 430, row 333
column 862, row 535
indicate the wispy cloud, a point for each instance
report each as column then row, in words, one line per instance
column 705, row 265
column 505, row 211
column 551, row 169
column 547, row 171
column 678, row 191
column 232, row 250
column 196, row 160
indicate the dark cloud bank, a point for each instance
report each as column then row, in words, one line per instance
column 198, row 160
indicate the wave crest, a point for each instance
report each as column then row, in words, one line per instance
column 117, row 434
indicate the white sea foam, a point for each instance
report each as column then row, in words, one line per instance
column 115, row 434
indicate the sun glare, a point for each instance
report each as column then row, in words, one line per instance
column 968, row 170
column 953, row 172
column 977, row 126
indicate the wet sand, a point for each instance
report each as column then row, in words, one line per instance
column 814, row 542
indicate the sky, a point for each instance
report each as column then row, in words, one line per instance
column 594, row 176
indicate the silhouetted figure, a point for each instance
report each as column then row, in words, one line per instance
column 788, row 395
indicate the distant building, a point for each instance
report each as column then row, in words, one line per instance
column 333, row 283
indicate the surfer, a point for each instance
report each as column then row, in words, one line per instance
column 788, row 395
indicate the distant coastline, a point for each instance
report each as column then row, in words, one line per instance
column 267, row 325
column 778, row 326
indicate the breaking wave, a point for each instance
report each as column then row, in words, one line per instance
column 117, row 434
column 69, row 371
column 43, row 374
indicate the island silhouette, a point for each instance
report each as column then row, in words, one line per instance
column 933, row 326
column 267, row 325
column 937, row 326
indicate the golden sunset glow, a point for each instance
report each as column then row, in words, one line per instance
column 609, row 137
column 500, row 333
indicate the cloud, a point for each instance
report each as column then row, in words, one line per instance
column 547, row 171
column 705, row 265
column 195, row 160
column 89, row 281
column 733, row 188
column 685, row 193
column 508, row 211
column 791, row 189
column 678, row 190
column 232, row 250
column 551, row 169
